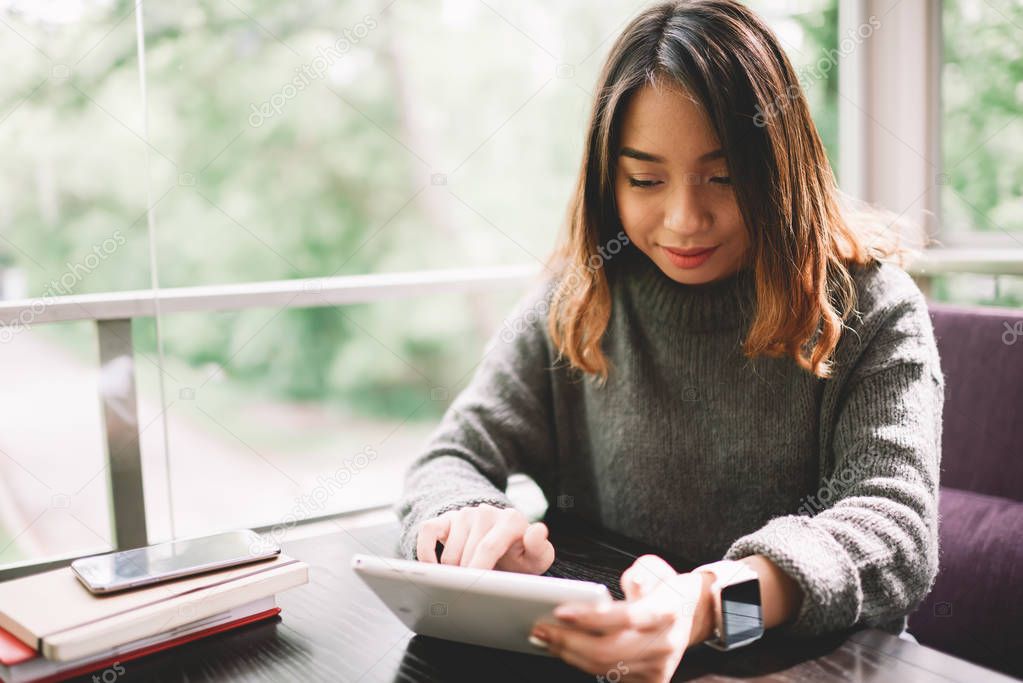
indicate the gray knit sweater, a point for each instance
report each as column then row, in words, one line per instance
column 693, row 448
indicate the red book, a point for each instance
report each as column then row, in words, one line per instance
column 21, row 664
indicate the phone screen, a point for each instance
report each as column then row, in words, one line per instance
column 177, row 558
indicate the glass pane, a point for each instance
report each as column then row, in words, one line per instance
column 53, row 480
column 72, row 221
column 341, row 139
column 72, row 173
column 982, row 124
column 335, row 138
column 302, row 412
column 808, row 31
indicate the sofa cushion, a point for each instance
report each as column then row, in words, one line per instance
column 981, row 353
column 975, row 609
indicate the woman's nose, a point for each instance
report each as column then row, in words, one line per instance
column 686, row 211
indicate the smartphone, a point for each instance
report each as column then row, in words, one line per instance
column 142, row 566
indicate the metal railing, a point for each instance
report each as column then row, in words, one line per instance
column 937, row 262
column 113, row 314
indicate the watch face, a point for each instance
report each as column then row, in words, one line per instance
column 740, row 612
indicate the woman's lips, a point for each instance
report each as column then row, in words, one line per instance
column 689, row 258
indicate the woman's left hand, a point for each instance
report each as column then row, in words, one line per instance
column 641, row 638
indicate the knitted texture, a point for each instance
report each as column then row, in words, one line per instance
column 693, row 448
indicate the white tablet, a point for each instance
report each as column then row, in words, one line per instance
column 477, row 606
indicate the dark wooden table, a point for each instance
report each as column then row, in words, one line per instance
column 335, row 629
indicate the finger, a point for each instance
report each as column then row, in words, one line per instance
column 618, row 615
column 484, row 518
column 496, row 542
column 605, row 617
column 594, row 649
column 672, row 603
column 535, row 539
column 538, row 551
column 536, row 559
column 651, row 613
column 650, row 570
column 431, row 531
column 461, row 524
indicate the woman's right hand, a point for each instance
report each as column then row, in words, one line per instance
column 486, row 537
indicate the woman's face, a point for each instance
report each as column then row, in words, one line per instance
column 673, row 190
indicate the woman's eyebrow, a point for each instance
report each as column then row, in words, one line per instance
column 634, row 153
column 712, row 155
column 642, row 156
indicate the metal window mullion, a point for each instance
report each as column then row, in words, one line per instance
column 121, row 432
column 852, row 124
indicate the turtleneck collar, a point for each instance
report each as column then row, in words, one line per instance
column 723, row 304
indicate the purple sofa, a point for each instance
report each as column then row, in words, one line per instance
column 975, row 609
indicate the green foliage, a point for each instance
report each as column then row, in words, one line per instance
column 445, row 136
column 820, row 25
column 982, row 126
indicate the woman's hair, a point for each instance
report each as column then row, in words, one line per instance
column 804, row 234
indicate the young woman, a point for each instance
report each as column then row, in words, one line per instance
column 724, row 361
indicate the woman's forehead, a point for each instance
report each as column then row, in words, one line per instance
column 668, row 122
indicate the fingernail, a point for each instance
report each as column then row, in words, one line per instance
column 538, row 639
column 566, row 612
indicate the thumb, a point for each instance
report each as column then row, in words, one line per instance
column 645, row 575
column 633, row 587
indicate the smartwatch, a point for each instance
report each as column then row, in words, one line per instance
column 738, row 619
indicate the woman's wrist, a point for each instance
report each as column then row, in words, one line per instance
column 780, row 596
column 703, row 616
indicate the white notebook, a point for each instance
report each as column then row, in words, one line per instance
column 39, row 667
column 53, row 612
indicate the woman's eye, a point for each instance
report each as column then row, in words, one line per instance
column 636, row 182
column 721, row 180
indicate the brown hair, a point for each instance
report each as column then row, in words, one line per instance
column 803, row 232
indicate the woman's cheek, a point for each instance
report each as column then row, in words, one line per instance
column 636, row 218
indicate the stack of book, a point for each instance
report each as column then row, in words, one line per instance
column 52, row 628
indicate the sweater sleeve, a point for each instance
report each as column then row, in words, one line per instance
column 500, row 424
column 870, row 553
